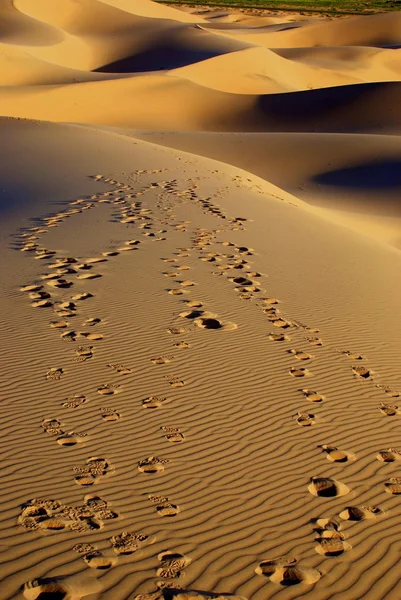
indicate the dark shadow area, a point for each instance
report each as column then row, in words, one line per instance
column 350, row 108
column 162, row 58
column 375, row 175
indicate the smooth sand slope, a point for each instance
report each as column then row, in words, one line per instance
column 199, row 377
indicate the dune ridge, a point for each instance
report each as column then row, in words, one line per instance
column 200, row 379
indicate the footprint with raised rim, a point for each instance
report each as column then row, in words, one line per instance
column 52, row 427
column 109, row 389
column 163, row 506
column 300, row 354
column 153, row 402
column 360, row 513
column 286, row 572
column 119, row 368
column 389, row 455
column 172, row 564
column 390, row 410
column 110, row 414
column 333, row 454
column 278, row 337
column 127, row 543
column 96, row 467
column 94, row 558
column 54, row 374
column 161, row 360
column 299, row 372
column 311, row 395
column 74, row 401
column 362, row 372
column 393, row 486
column 173, row 434
column 152, row 464
column 175, row 381
column 182, row 345
column 305, row 419
column 327, row 487
column 84, row 353
column 71, row 438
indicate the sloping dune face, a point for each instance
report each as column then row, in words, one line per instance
column 200, row 258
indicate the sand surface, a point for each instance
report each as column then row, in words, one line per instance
column 200, row 236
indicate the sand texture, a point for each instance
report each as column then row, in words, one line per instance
column 200, row 384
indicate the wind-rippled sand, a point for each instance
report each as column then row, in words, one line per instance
column 200, row 384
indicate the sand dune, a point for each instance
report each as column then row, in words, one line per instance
column 200, row 255
column 353, row 178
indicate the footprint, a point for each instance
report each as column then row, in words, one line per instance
column 305, row 419
column 314, row 341
column 390, row 410
column 175, row 381
column 31, row 288
column 84, row 353
column 186, row 283
column 70, row 438
column 69, row 336
column 176, row 292
column 182, row 345
column 285, row 571
column 39, row 295
column 163, row 506
column 60, row 283
column 110, row 414
column 353, row 355
column 331, row 547
column 82, row 296
column 176, row 330
column 282, row 323
column 193, row 314
column 127, row 543
column 161, row 360
column 74, row 401
column 94, row 558
column 92, row 321
column 95, row 468
column 59, row 324
column 153, row 402
column 42, row 304
column 278, row 337
column 108, row 389
column 312, row 396
column 387, row 390
column 151, row 465
column 172, row 564
column 393, row 486
column 173, row 434
column 194, row 304
column 89, row 276
column 211, row 323
column 299, row 354
column 59, row 588
column 335, row 455
column 92, row 336
column 362, row 372
column 52, row 427
column 389, row 455
column 326, row 487
column 54, row 374
column 119, row 368
column 356, row 513
column 299, row 372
